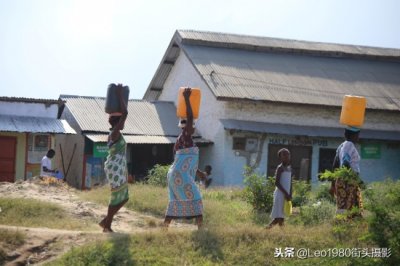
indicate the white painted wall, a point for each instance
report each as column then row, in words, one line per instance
column 29, row 109
column 208, row 125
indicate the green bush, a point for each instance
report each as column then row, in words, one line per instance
column 259, row 191
column 158, row 175
column 300, row 192
column 383, row 201
column 314, row 213
column 345, row 174
column 322, row 192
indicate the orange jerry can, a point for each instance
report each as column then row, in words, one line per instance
column 353, row 110
column 194, row 99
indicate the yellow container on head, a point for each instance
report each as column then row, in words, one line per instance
column 353, row 110
column 195, row 98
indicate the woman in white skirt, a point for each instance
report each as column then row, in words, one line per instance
column 283, row 189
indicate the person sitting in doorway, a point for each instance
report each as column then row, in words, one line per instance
column 45, row 167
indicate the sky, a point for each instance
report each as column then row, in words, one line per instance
column 78, row 47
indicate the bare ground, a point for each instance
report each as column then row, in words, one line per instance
column 44, row 244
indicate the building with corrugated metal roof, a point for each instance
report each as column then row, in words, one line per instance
column 260, row 94
column 27, row 131
column 150, row 131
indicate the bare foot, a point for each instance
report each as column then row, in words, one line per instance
column 102, row 223
column 108, row 230
column 269, row 226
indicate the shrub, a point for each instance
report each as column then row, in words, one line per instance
column 322, row 193
column 300, row 192
column 314, row 213
column 383, row 201
column 344, row 173
column 346, row 230
column 259, row 190
column 158, row 175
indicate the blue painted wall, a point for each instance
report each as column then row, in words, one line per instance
column 387, row 165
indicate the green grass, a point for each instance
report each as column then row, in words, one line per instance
column 234, row 234
column 243, row 245
column 221, row 206
column 35, row 213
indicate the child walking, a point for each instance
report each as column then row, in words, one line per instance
column 283, row 189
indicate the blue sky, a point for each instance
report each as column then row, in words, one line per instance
column 78, row 47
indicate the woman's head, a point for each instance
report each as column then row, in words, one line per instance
column 113, row 119
column 284, row 156
column 182, row 124
column 352, row 134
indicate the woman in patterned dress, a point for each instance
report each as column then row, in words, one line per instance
column 348, row 193
column 185, row 200
column 115, row 166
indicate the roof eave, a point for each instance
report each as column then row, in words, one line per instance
column 224, row 98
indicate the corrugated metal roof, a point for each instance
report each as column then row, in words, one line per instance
column 135, row 139
column 267, row 44
column 144, row 118
column 289, row 71
column 34, row 125
column 143, row 139
column 299, row 130
column 29, row 100
column 235, row 74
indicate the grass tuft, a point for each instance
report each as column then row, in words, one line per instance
column 35, row 213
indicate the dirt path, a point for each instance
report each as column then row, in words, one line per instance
column 44, row 244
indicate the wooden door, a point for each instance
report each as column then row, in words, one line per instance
column 8, row 150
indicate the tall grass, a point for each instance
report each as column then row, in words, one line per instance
column 35, row 213
column 243, row 245
column 233, row 236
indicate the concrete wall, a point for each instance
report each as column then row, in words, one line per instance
column 29, row 109
column 372, row 169
column 388, row 165
column 74, row 177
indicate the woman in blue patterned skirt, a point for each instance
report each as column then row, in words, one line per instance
column 185, row 200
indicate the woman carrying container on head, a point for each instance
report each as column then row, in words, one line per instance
column 348, row 192
column 115, row 166
column 185, row 200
